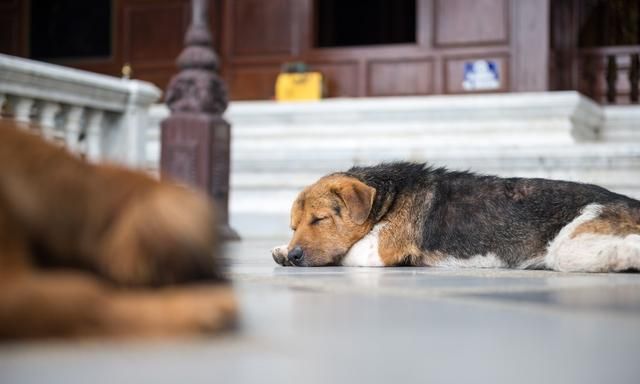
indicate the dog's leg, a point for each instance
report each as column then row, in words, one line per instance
column 365, row 253
column 596, row 243
column 175, row 311
column 46, row 305
column 77, row 304
column 596, row 253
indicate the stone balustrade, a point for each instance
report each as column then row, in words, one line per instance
column 101, row 117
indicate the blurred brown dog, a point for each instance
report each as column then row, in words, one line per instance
column 91, row 250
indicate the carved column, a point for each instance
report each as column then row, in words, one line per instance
column 93, row 137
column 73, row 127
column 22, row 110
column 47, row 120
column 3, row 98
column 195, row 138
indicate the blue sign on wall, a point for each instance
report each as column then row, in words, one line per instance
column 480, row 75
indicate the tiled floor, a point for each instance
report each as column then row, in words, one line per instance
column 362, row 325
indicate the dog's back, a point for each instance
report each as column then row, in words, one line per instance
column 81, row 246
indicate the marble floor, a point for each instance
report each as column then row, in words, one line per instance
column 373, row 325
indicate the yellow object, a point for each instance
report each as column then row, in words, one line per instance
column 299, row 86
column 126, row 70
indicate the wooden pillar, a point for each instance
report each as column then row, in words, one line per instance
column 195, row 140
column 564, row 50
column 530, row 45
column 634, row 78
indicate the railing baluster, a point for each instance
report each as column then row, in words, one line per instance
column 93, row 137
column 612, row 76
column 47, row 119
column 634, row 77
column 3, row 98
column 589, row 77
column 22, row 109
column 72, row 127
column 613, row 64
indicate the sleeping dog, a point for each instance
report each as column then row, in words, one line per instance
column 411, row 214
column 90, row 250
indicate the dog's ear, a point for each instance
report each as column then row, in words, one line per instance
column 358, row 197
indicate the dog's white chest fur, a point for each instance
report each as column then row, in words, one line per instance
column 365, row 253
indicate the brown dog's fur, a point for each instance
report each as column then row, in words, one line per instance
column 100, row 250
column 347, row 203
column 329, row 216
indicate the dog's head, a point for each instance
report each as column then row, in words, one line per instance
column 327, row 218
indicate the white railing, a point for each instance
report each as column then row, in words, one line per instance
column 101, row 117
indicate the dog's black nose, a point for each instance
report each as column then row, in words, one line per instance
column 295, row 254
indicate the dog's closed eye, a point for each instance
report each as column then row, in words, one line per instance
column 317, row 220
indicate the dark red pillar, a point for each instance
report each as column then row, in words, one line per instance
column 195, row 138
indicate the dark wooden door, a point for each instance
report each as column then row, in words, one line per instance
column 147, row 35
column 450, row 35
column 12, row 27
column 255, row 37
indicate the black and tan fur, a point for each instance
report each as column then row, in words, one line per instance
column 434, row 216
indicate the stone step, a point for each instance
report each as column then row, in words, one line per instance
column 262, row 192
column 583, row 155
column 459, row 121
column 278, row 148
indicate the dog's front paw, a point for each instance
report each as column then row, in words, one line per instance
column 280, row 255
column 190, row 310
